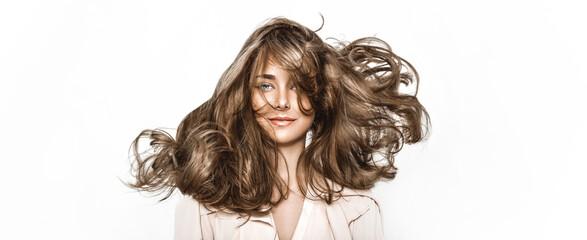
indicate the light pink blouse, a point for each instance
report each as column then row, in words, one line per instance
column 354, row 216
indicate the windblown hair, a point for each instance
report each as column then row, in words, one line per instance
column 223, row 158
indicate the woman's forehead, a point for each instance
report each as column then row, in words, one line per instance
column 273, row 73
column 294, row 67
column 270, row 69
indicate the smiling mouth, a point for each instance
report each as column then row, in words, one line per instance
column 281, row 121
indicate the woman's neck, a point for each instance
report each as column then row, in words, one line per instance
column 288, row 162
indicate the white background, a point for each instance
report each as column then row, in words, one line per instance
column 503, row 81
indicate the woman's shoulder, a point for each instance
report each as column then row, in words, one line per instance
column 360, row 193
column 187, row 215
column 362, row 213
column 187, row 205
column 355, row 213
column 352, row 204
column 356, row 202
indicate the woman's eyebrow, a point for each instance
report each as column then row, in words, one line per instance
column 266, row 76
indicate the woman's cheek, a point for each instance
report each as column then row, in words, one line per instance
column 306, row 103
column 258, row 102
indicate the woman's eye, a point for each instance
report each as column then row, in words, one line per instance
column 264, row 86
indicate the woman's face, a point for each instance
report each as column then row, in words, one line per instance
column 275, row 101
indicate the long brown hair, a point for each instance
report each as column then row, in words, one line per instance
column 222, row 157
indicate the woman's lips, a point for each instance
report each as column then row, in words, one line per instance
column 281, row 121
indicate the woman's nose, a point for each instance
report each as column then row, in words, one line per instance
column 282, row 101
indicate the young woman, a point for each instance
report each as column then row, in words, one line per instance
column 288, row 146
